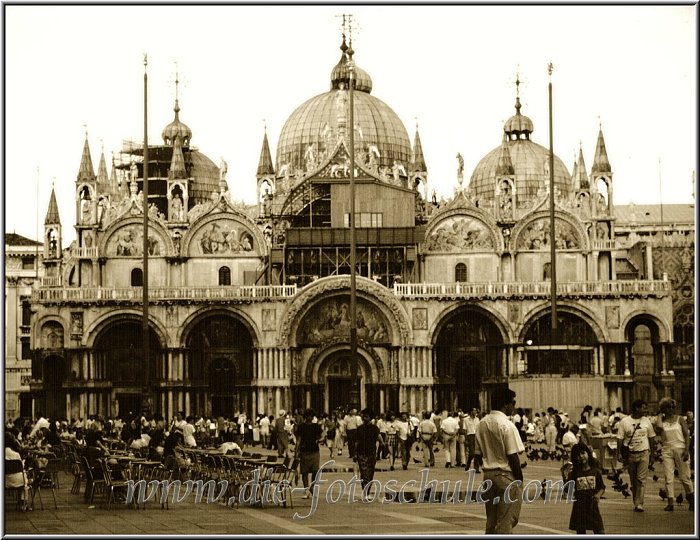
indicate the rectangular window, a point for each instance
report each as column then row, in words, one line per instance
column 365, row 219
column 26, row 312
column 27, row 263
column 26, row 353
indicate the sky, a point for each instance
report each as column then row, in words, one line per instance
column 448, row 69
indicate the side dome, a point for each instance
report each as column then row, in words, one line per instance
column 205, row 174
column 316, row 122
column 530, row 163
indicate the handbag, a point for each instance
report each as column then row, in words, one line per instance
column 625, row 448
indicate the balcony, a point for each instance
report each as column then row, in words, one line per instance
column 236, row 294
column 51, row 281
column 604, row 245
column 540, row 289
column 84, row 252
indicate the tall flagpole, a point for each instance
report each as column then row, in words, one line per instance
column 663, row 232
column 354, row 367
column 552, row 243
column 36, row 262
column 146, row 399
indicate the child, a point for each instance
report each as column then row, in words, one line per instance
column 588, row 488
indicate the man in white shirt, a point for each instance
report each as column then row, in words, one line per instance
column 403, row 427
column 470, row 424
column 450, row 427
column 635, row 431
column 352, row 421
column 497, row 447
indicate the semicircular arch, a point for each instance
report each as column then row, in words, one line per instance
column 463, row 229
column 99, row 325
column 455, row 310
column 224, row 233
column 367, row 289
column 318, row 363
column 204, row 313
column 124, row 238
column 563, row 307
column 535, row 226
column 661, row 332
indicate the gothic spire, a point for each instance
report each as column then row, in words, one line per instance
column 580, row 175
column 102, row 178
column 52, row 216
column 177, row 164
column 418, row 160
column 265, row 166
column 86, row 172
column 505, row 164
column 600, row 161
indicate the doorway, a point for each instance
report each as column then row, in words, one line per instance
column 129, row 404
column 467, row 376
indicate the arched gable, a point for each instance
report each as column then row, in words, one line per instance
column 532, row 232
column 124, row 238
column 462, row 229
column 225, row 233
column 319, row 360
column 43, row 330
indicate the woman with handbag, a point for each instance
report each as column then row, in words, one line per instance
column 675, row 454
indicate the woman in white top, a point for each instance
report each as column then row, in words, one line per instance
column 674, row 450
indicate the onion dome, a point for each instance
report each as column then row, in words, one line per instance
column 341, row 74
column 518, row 124
column 316, row 122
column 177, row 129
column 530, row 165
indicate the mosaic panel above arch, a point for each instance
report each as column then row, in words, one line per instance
column 330, row 319
column 223, row 237
column 460, row 233
column 127, row 241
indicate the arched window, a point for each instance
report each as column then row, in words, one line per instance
column 224, row 275
column 137, row 277
column 461, row 273
column 547, row 271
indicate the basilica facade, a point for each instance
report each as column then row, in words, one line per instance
column 249, row 305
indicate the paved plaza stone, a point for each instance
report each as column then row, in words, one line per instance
column 74, row 516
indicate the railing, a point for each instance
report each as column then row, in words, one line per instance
column 51, row 281
column 467, row 290
column 155, row 294
column 84, row 252
column 604, row 245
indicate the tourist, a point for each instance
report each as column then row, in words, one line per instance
column 188, row 432
column 428, row 434
column 309, row 435
column 18, row 478
column 264, row 429
column 497, row 447
column 366, row 443
column 588, row 489
column 675, row 450
column 282, row 434
column 352, row 421
column 330, row 425
column 636, row 431
column 470, row 424
column 403, row 433
column 383, row 449
column 450, row 428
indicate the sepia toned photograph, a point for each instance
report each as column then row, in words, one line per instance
column 349, row 270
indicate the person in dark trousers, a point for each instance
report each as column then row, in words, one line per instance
column 309, row 435
column 366, row 441
column 588, row 489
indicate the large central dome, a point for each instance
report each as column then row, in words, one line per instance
column 316, row 122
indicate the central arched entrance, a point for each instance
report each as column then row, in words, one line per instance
column 339, row 381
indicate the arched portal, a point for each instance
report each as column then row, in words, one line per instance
column 470, row 357
column 119, row 359
column 645, row 353
column 572, row 351
column 219, row 365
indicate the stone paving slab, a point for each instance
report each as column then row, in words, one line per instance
column 345, row 518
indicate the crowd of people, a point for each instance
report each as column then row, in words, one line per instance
column 473, row 440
